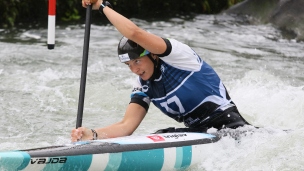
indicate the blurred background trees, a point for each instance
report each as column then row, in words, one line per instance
column 14, row 13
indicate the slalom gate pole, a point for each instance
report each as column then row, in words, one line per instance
column 51, row 24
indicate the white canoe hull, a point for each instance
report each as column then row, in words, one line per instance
column 166, row 151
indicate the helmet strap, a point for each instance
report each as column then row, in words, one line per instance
column 156, row 72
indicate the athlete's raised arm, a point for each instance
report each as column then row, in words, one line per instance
column 127, row 28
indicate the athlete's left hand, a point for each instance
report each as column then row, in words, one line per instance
column 96, row 3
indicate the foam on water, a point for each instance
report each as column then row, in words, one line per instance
column 263, row 72
column 267, row 100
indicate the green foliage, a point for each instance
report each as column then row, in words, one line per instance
column 68, row 10
column 233, row 2
column 14, row 11
column 8, row 13
column 71, row 15
column 170, row 8
column 36, row 12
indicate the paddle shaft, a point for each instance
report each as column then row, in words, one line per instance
column 84, row 66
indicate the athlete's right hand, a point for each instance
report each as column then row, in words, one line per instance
column 81, row 134
column 96, row 3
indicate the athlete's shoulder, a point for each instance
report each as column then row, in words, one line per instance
column 182, row 56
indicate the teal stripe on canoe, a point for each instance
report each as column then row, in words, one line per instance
column 187, row 156
column 147, row 160
column 14, row 160
column 114, row 161
column 179, row 157
column 26, row 161
column 82, row 162
column 183, row 157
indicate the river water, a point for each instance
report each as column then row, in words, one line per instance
column 263, row 72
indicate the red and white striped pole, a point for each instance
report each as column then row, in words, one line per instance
column 51, row 24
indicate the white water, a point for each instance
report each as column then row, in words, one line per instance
column 263, row 72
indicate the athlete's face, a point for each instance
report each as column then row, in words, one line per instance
column 142, row 66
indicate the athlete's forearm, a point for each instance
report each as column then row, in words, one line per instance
column 130, row 30
column 125, row 26
column 113, row 131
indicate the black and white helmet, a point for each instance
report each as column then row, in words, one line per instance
column 128, row 50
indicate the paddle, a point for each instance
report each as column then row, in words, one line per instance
column 84, row 66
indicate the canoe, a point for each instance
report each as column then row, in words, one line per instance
column 165, row 151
